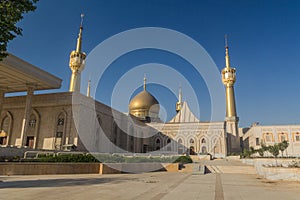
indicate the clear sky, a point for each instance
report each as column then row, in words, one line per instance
column 263, row 39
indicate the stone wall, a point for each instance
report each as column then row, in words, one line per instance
column 263, row 167
column 83, row 168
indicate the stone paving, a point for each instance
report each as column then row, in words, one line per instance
column 220, row 184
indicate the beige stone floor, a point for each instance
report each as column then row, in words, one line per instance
column 238, row 183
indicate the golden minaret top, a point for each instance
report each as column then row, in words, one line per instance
column 228, row 73
column 77, row 62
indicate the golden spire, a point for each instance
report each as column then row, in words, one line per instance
column 179, row 103
column 88, row 92
column 227, row 58
column 78, row 46
column 145, row 82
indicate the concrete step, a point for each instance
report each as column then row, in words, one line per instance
column 198, row 169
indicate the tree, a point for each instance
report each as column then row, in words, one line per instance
column 263, row 149
column 260, row 152
column 274, row 150
column 12, row 12
column 283, row 146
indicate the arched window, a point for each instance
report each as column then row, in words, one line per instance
column 282, row 137
column 203, row 141
column 60, row 126
column 32, row 121
column 157, row 141
column 204, row 150
column 5, row 126
column 157, row 144
column 268, row 137
column 180, row 146
column 31, row 131
column 168, row 141
column 192, row 141
column 297, row 137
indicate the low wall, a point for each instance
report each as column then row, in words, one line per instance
column 83, row 168
column 274, row 173
column 281, row 173
column 48, row 168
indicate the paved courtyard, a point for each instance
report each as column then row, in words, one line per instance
column 229, row 180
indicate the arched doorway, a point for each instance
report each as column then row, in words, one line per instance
column 204, row 150
column 180, row 146
column 192, row 150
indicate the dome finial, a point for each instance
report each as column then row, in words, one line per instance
column 179, row 103
column 78, row 46
column 145, row 81
column 227, row 58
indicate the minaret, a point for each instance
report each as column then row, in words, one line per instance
column 179, row 103
column 88, row 91
column 145, row 80
column 228, row 79
column 77, row 62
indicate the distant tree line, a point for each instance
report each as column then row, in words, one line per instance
column 273, row 149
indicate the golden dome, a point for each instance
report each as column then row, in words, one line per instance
column 144, row 106
column 142, row 101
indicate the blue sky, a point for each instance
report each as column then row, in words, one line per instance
column 263, row 38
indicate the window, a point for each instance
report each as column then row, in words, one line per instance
column 30, row 141
column 256, row 141
column 32, row 122
column 157, row 141
column 60, row 121
column 297, row 137
column 192, row 141
column 60, row 128
column 168, row 141
column 180, row 141
column 203, row 141
column 268, row 137
column 157, row 144
column 282, row 137
column 5, row 124
column 3, row 140
column 59, row 134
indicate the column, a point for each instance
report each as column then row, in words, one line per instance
column 27, row 112
column 2, row 92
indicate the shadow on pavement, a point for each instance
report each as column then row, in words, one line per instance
column 60, row 182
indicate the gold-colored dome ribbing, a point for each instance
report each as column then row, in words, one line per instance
column 143, row 100
column 144, row 105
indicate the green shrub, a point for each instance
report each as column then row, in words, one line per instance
column 65, row 158
column 183, row 160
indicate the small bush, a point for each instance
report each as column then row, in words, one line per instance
column 183, row 160
column 65, row 158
